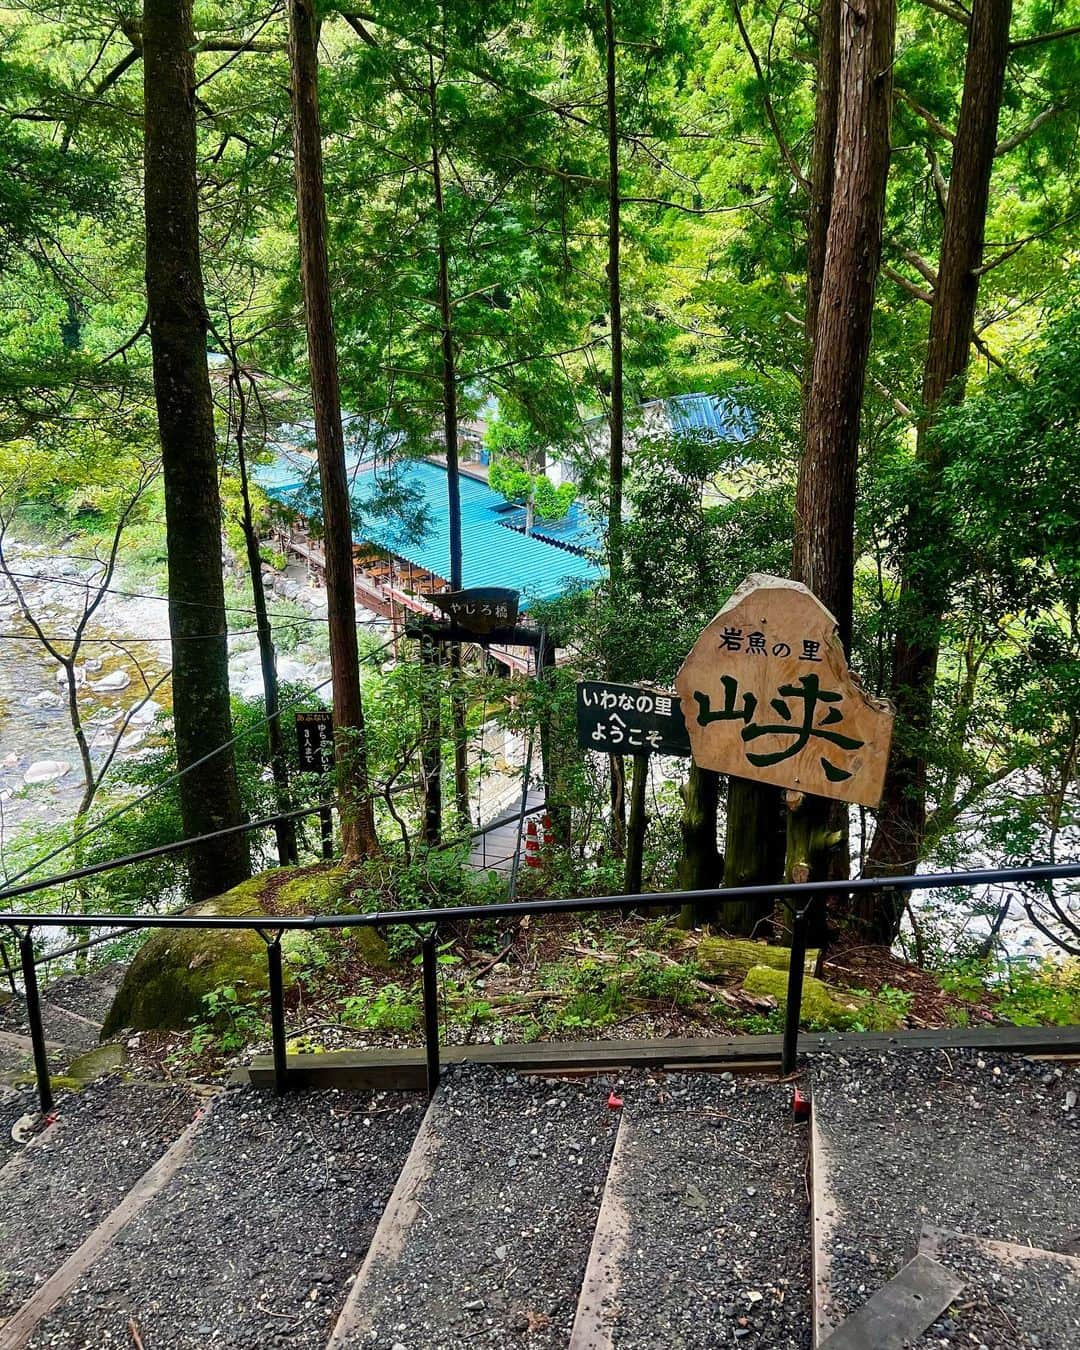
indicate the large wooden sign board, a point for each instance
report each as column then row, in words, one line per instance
column 767, row 694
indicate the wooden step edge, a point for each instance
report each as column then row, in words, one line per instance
column 16, row 1332
column 592, row 1329
column 392, row 1229
column 823, row 1223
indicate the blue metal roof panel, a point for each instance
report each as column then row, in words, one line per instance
column 492, row 555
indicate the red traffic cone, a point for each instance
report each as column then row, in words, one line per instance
column 532, row 845
column 549, row 833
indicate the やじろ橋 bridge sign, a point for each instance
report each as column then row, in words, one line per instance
column 767, row 694
column 627, row 719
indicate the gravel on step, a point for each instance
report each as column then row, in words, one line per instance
column 960, row 1140
column 713, row 1188
column 89, row 995
column 60, row 1026
column 497, row 1250
column 52, row 1197
column 254, row 1241
column 1032, row 1303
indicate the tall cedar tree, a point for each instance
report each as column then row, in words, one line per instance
column 357, row 812
column 209, row 796
column 897, row 842
column 824, row 548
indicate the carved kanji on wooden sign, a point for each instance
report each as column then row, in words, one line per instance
column 767, row 694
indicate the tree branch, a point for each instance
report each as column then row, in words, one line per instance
column 907, row 284
column 1038, row 38
column 1019, row 137
column 927, row 116
column 770, row 113
column 957, row 13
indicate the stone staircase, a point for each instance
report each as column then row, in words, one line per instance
column 518, row 1211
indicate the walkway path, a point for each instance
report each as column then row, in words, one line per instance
column 493, row 848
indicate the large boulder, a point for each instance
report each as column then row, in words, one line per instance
column 176, row 968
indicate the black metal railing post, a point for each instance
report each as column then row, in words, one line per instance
column 800, row 922
column 429, row 958
column 33, row 1017
column 326, row 830
column 277, row 1013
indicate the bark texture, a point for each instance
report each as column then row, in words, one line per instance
column 825, row 498
column 823, row 557
column 899, row 835
column 356, row 811
column 209, row 796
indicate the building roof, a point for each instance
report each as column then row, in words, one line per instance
column 709, row 414
column 493, row 552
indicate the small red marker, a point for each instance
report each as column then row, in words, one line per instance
column 800, row 1106
column 614, row 1102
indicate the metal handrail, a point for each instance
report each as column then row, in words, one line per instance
column 271, row 928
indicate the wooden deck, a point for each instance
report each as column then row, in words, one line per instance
column 404, row 1069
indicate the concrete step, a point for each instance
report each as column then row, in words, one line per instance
column 486, row 1238
column 56, row 1190
column 253, row 1240
column 948, row 1139
column 703, row 1235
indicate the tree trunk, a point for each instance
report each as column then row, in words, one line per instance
column 553, row 752
column 284, row 830
column 356, row 810
column 453, row 472
column 898, row 837
column 431, row 741
column 824, row 550
column 825, row 497
column 826, row 103
column 700, row 864
column 753, row 852
column 616, row 416
column 635, row 834
column 754, row 849
column 209, row 795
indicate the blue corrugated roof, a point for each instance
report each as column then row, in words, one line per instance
column 492, row 554
column 575, row 530
column 709, row 414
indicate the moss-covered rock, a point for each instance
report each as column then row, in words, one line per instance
column 164, row 986
column 96, row 1063
column 824, row 1005
column 720, row 956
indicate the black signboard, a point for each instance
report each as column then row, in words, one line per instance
column 481, row 609
column 315, row 740
column 625, row 719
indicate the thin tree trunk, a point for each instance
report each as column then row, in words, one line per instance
column 700, row 864
column 616, row 416
column 753, row 852
column 431, row 741
column 901, row 824
column 635, row 834
column 356, row 809
column 453, row 474
column 209, row 795
column 284, row 830
column 826, row 104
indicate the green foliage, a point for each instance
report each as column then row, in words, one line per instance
column 387, row 1007
column 1044, row 994
column 231, row 1018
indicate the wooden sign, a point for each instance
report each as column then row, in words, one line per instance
column 626, row 719
column 315, row 740
column 768, row 695
column 481, row 609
